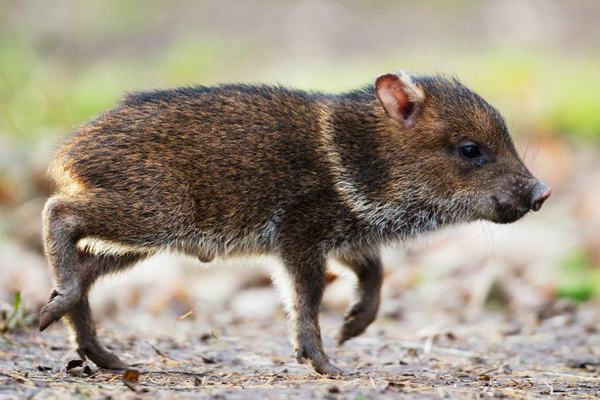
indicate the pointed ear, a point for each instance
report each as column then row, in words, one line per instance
column 400, row 97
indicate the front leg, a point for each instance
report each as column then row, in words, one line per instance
column 369, row 272
column 305, row 272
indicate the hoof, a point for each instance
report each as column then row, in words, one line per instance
column 318, row 361
column 48, row 316
column 58, row 305
column 351, row 328
column 101, row 357
column 328, row 369
column 356, row 322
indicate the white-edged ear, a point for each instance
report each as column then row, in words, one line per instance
column 400, row 97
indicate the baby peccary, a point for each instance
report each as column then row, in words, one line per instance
column 245, row 170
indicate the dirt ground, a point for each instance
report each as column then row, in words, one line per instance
column 549, row 352
column 471, row 312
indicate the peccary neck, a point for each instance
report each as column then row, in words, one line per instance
column 387, row 201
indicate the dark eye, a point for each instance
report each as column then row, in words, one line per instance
column 470, row 151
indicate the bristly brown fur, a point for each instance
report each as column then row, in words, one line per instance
column 242, row 169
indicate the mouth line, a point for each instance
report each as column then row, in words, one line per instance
column 512, row 215
column 506, row 214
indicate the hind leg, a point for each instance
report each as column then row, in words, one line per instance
column 74, row 273
column 79, row 317
column 369, row 271
column 62, row 228
column 80, row 320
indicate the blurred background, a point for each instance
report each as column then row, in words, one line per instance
column 63, row 62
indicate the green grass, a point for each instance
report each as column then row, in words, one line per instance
column 17, row 317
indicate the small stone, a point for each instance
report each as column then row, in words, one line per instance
column 333, row 389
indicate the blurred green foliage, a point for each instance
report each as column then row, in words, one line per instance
column 16, row 317
column 538, row 93
column 579, row 278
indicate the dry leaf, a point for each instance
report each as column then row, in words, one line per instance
column 131, row 378
column 131, row 375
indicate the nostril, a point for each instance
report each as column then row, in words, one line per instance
column 540, row 193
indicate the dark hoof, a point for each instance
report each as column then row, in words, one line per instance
column 101, row 357
column 327, row 368
column 356, row 322
column 318, row 360
column 48, row 316
column 350, row 329
column 58, row 305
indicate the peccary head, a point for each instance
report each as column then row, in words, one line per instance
column 452, row 150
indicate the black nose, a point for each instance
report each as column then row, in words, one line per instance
column 539, row 194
